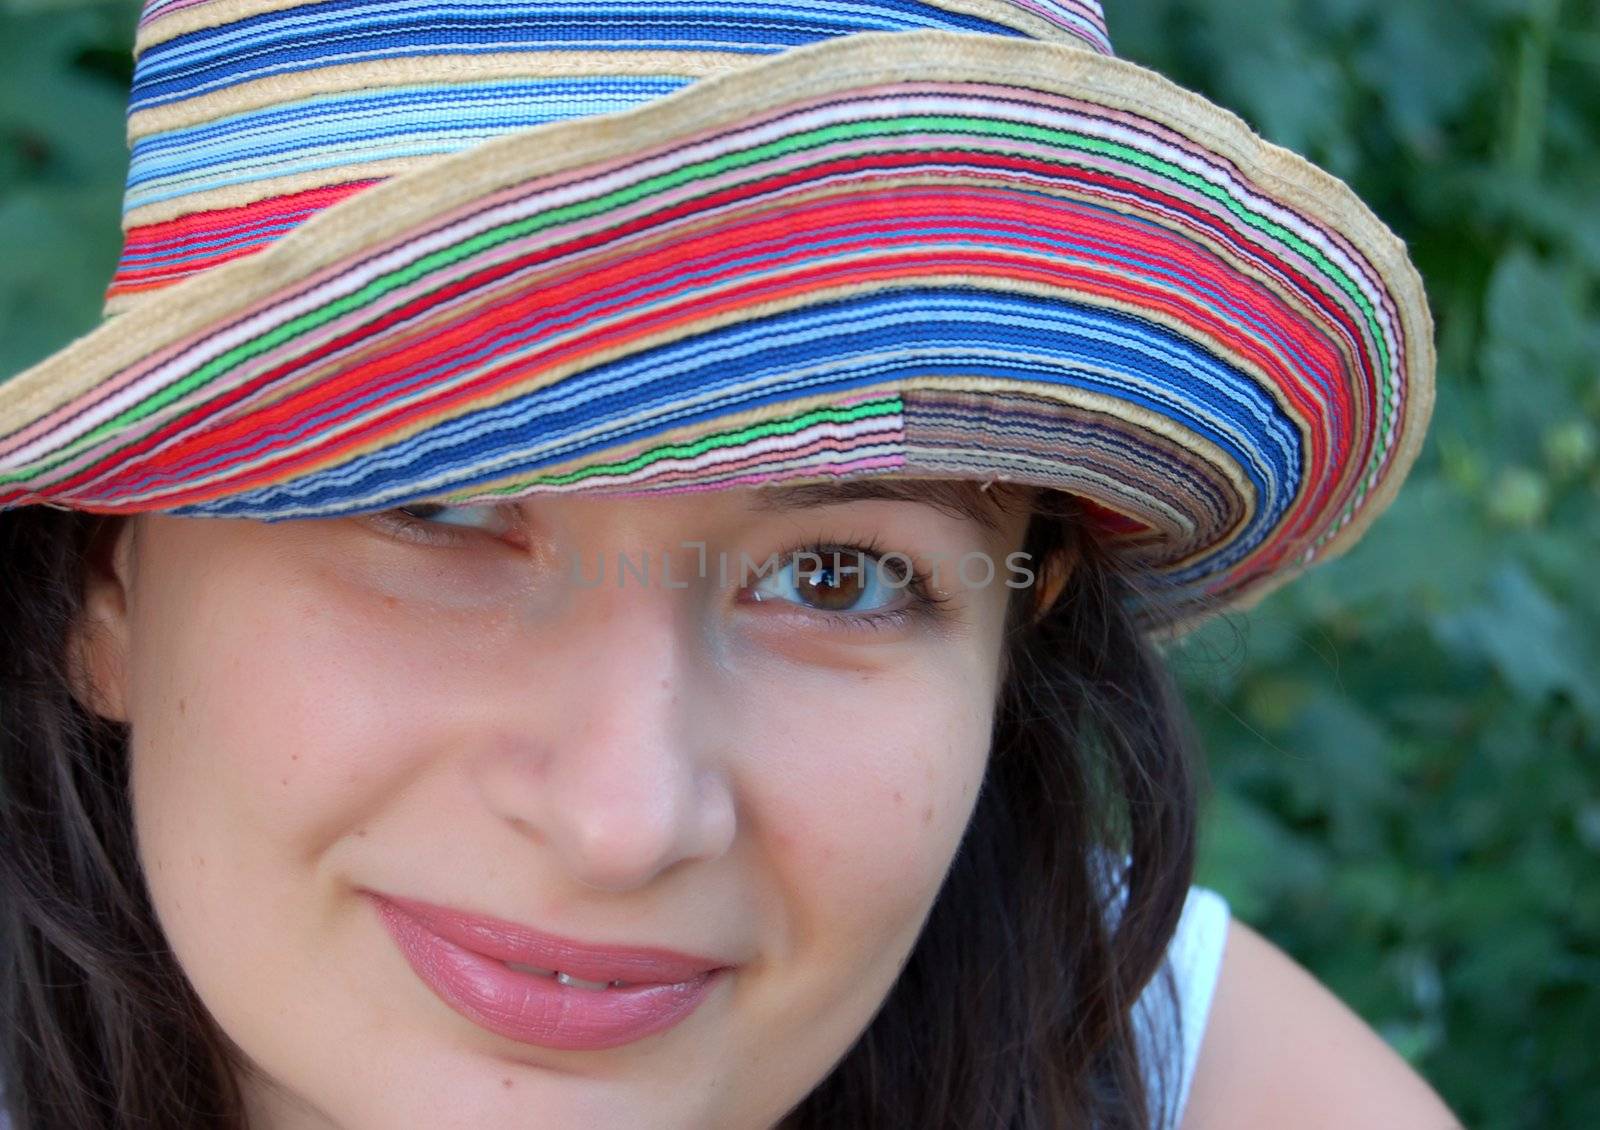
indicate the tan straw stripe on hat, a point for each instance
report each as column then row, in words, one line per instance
column 953, row 252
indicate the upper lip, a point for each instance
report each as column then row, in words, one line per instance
column 587, row 961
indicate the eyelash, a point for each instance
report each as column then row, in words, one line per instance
column 419, row 531
column 924, row 605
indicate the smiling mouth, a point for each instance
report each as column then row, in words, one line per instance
column 478, row 967
column 537, row 952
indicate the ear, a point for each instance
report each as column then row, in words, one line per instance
column 1053, row 578
column 98, row 640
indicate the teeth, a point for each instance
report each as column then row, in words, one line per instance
column 520, row 968
column 564, row 978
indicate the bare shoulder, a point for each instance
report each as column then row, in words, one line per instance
column 1280, row 1050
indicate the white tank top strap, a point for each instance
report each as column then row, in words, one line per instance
column 1170, row 1045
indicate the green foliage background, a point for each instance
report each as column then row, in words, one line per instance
column 1405, row 744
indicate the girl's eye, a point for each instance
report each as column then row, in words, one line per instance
column 437, row 523
column 838, row 580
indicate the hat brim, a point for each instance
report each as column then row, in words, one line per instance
column 927, row 254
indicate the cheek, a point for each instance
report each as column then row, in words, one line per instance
column 263, row 731
column 863, row 801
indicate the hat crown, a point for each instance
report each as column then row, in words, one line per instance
column 974, row 248
column 247, row 117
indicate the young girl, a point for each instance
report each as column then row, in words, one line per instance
column 653, row 620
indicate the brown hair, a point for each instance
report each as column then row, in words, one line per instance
column 1013, row 1010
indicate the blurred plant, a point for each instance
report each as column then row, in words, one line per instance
column 64, row 73
column 1405, row 744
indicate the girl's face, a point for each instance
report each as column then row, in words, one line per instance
column 355, row 740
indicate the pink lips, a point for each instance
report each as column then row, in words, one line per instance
column 462, row 958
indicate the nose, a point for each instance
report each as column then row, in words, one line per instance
column 610, row 761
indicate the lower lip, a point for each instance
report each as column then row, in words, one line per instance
column 534, row 1009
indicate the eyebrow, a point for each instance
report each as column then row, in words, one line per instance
column 961, row 497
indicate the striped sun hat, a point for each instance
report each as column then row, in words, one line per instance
column 382, row 253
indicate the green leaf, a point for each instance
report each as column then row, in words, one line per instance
column 1530, row 642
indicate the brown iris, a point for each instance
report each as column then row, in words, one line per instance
column 834, row 580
